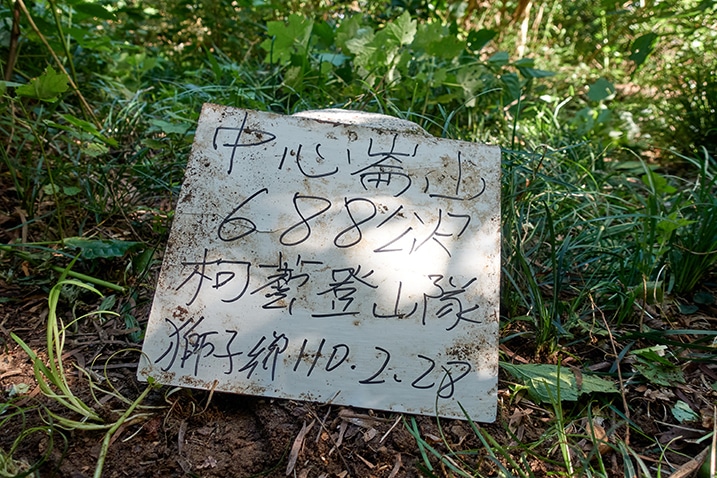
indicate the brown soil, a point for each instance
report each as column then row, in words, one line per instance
column 197, row 433
column 194, row 433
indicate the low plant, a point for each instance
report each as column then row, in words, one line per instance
column 96, row 123
column 693, row 247
column 10, row 467
column 53, row 381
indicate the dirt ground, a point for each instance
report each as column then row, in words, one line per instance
column 199, row 434
column 196, row 433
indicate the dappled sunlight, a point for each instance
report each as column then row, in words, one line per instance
column 321, row 245
column 333, row 281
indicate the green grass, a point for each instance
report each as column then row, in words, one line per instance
column 52, row 378
column 16, row 417
column 608, row 198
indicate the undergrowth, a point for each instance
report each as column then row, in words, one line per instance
column 608, row 194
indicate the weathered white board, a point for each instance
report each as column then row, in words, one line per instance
column 332, row 262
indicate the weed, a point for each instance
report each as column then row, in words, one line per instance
column 99, row 105
column 53, row 382
column 17, row 468
column 693, row 247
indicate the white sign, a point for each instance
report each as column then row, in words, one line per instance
column 332, row 262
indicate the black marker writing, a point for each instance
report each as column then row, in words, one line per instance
column 224, row 232
column 323, row 205
column 343, row 288
column 279, row 284
column 260, row 137
column 226, row 272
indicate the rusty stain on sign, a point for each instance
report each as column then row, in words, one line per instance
column 332, row 257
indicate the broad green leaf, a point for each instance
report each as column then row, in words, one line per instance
column 642, row 47
column 436, row 40
column 18, row 389
column 653, row 292
column 604, row 116
column 470, row 79
column 500, row 58
column 108, row 303
column 94, row 10
column 671, row 223
column 550, row 383
column 478, row 39
column 131, row 322
column 71, row 190
column 364, row 48
column 46, row 87
column 426, row 35
column 653, row 354
column 152, row 143
column 688, row 309
column 170, row 128
column 512, row 83
column 141, row 263
column 88, row 127
column 525, row 62
column 584, row 119
column 600, row 90
column 288, row 39
column 294, row 77
column 656, row 368
column 347, row 30
column 659, row 182
column 94, row 150
column 375, row 50
column 100, row 248
column 403, row 29
column 51, row 189
column 322, row 35
column 683, row 413
column 703, row 298
column 361, row 42
column 336, row 59
column 90, row 40
column 534, row 72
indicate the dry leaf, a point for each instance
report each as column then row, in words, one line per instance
column 209, row 462
column 396, row 466
column 358, row 419
column 665, row 395
column 691, row 466
column 296, row 447
column 370, row 434
column 180, row 436
column 596, row 435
